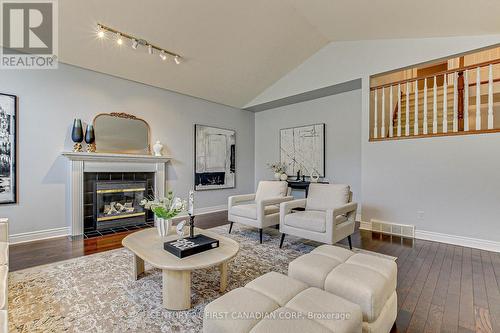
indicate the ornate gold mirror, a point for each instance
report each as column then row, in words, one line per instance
column 121, row 133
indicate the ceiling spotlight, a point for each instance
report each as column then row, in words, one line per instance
column 135, row 44
column 119, row 39
column 163, row 56
column 177, row 59
column 150, row 49
column 100, row 31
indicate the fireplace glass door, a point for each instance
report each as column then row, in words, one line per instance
column 118, row 203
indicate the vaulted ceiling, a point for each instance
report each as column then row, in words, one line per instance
column 235, row 49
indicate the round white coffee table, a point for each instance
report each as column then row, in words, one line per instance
column 147, row 246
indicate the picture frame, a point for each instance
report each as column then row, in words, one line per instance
column 214, row 158
column 303, row 148
column 8, row 148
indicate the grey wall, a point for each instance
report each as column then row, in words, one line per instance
column 50, row 99
column 342, row 115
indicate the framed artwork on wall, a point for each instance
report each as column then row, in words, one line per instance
column 303, row 149
column 215, row 158
column 8, row 149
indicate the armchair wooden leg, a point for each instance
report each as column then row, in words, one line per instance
column 350, row 243
column 282, row 239
column 260, row 235
column 230, row 227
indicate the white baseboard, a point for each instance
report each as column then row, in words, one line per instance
column 475, row 243
column 65, row 231
column 481, row 244
column 38, row 235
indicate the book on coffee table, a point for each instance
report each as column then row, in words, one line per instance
column 186, row 247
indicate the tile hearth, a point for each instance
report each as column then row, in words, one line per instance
column 116, row 230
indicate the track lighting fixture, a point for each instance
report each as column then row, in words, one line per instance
column 136, row 42
column 119, row 39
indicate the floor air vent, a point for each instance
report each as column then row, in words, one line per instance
column 402, row 230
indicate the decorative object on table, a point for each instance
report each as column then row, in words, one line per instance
column 215, row 158
column 180, row 228
column 283, row 177
column 157, row 148
column 279, row 170
column 77, row 135
column 90, row 138
column 303, row 148
column 165, row 209
column 314, row 176
column 122, row 133
column 303, row 178
column 186, row 247
column 8, row 149
column 191, row 214
column 298, row 175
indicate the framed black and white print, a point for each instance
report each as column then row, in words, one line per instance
column 8, row 149
column 215, row 158
column 303, row 148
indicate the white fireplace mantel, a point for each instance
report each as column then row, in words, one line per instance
column 105, row 162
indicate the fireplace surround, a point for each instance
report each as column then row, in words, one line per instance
column 108, row 168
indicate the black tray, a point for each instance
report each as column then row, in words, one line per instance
column 186, row 247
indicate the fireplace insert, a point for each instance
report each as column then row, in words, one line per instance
column 117, row 203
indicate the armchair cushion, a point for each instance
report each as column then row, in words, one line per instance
column 327, row 196
column 250, row 210
column 271, row 189
column 4, row 253
column 311, row 220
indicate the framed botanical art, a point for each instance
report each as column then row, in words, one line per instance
column 303, row 149
column 8, row 149
column 215, row 158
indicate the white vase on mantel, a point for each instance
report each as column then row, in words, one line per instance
column 163, row 226
column 157, row 148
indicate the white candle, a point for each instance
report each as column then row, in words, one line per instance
column 191, row 202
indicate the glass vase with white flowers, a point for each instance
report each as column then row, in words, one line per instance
column 165, row 209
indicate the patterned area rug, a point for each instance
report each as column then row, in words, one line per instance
column 97, row 293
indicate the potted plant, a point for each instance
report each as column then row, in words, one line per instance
column 279, row 170
column 165, row 209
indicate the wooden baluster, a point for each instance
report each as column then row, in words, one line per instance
column 434, row 109
column 425, row 107
column 399, row 110
column 391, row 113
column 382, row 131
column 445, row 104
column 455, row 102
column 490, row 96
column 466, row 100
column 375, row 116
column 407, row 122
column 460, row 106
column 415, row 120
column 478, row 99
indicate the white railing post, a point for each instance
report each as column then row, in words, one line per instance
column 490, row 96
column 478, row 99
column 415, row 120
column 391, row 114
column 455, row 102
column 466, row 100
column 425, row 107
column 399, row 109
column 407, row 122
column 375, row 116
column 382, row 131
column 434, row 108
column 445, row 104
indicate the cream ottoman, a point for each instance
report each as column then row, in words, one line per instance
column 277, row 303
column 363, row 279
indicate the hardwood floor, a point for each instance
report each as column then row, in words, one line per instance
column 441, row 287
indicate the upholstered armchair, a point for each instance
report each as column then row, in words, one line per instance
column 327, row 215
column 259, row 210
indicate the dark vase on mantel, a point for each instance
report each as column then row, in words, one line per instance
column 90, row 138
column 77, row 135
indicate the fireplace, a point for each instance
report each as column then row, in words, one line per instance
column 118, row 203
column 112, row 201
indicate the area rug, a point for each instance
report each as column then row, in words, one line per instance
column 97, row 293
